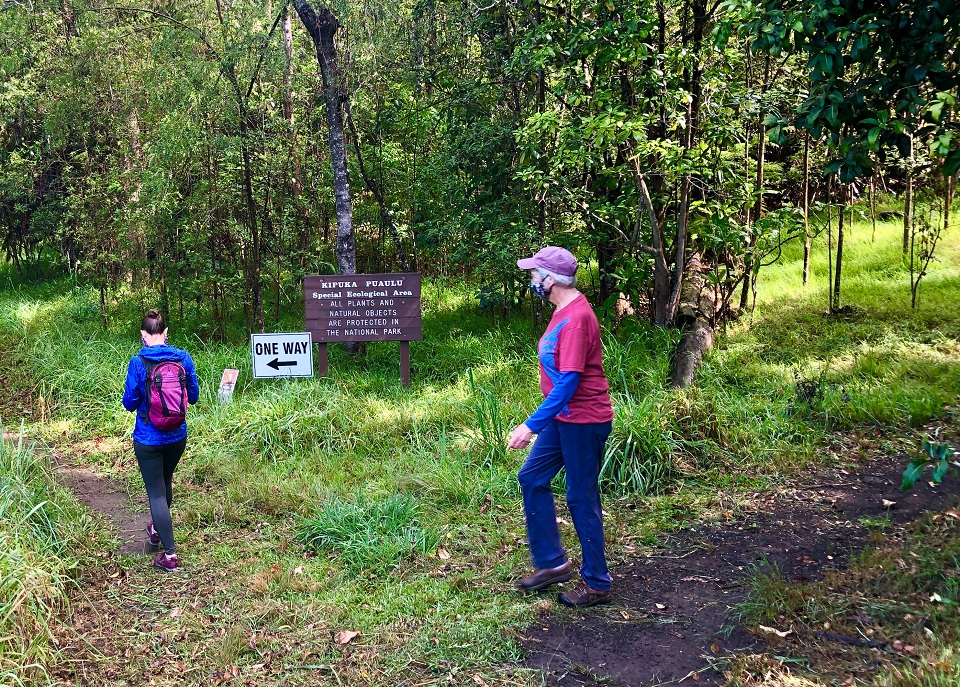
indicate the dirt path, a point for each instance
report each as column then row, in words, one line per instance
column 672, row 614
column 108, row 498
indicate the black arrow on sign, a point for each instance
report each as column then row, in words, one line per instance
column 276, row 363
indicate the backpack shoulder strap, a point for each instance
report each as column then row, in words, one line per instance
column 147, row 363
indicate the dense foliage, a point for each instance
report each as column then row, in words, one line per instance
column 182, row 146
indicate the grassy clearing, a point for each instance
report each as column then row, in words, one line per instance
column 427, row 583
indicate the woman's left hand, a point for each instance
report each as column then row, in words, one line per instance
column 520, row 437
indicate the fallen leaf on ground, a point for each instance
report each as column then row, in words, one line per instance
column 626, row 616
column 298, row 570
column 479, row 680
column 443, row 554
column 659, row 606
column 344, row 636
column 774, row 631
column 176, row 612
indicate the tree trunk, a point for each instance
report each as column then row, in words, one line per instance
column 948, row 184
column 296, row 176
column 749, row 268
column 829, row 242
column 806, row 208
column 661, row 271
column 680, row 247
column 835, row 300
column 694, row 316
column 253, row 268
column 908, row 202
column 321, row 27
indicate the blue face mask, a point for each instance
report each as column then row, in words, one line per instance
column 539, row 289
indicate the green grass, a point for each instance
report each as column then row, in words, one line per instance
column 378, row 478
column 369, row 535
column 43, row 534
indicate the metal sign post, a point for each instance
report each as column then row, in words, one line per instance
column 282, row 355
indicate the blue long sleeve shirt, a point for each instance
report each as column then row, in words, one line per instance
column 135, row 393
column 554, row 402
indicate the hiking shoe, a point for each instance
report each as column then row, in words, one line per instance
column 544, row 577
column 584, row 595
column 152, row 532
column 167, row 562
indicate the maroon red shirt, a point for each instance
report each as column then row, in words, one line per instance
column 571, row 343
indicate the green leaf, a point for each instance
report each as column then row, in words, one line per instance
column 952, row 163
column 941, row 471
column 912, row 473
column 936, row 110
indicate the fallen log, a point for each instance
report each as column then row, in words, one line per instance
column 694, row 317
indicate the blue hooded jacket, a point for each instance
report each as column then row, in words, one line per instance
column 135, row 393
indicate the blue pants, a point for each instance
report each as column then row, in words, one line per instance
column 579, row 449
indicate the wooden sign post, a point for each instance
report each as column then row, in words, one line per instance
column 364, row 307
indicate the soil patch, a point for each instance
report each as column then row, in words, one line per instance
column 108, row 498
column 673, row 614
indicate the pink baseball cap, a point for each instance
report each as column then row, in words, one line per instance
column 553, row 258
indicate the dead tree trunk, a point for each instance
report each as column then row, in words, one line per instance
column 694, row 316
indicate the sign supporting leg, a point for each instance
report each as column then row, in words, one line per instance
column 322, row 359
column 405, row 362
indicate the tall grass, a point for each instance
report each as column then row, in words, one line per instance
column 39, row 528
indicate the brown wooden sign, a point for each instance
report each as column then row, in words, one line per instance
column 364, row 307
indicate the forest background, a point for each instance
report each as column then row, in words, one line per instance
column 205, row 156
column 202, row 149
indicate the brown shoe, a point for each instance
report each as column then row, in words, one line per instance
column 544, row 577
column 583, row 596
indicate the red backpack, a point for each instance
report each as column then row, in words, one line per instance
column 166, row 388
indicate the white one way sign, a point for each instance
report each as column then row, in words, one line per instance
column 282, row 355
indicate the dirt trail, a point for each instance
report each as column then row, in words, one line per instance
column 108, row 498
column 672, row 614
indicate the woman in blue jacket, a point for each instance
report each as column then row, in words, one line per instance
column 157, row 450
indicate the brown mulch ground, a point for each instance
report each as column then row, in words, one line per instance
column 674, row 616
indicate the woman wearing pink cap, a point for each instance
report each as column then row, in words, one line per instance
column 572, row 425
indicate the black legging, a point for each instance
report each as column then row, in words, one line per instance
column 157, row 464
